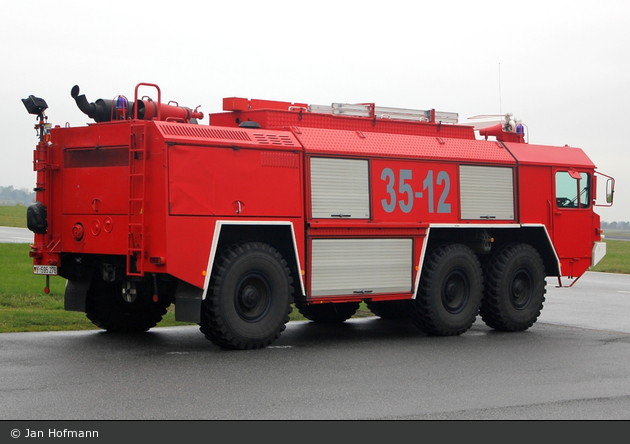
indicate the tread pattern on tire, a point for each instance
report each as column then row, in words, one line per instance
column 495, row 308
column 426, row 313
column 213, row 324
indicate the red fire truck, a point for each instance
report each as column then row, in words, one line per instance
column 275, row 205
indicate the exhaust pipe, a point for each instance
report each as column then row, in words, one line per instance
column 100, row 111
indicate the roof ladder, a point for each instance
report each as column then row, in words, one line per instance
column 137, row 185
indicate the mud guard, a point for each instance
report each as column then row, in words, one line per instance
column 188, row 303
column 76, row 293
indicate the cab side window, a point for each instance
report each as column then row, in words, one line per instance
column 573, row 190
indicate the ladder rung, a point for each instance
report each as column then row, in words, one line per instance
column 137, row 170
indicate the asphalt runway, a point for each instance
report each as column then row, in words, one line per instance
column 573, row 364
column 15, row 235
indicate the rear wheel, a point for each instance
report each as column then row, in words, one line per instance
column 329, row 313
column 515, row 289
column 450, row 291
column 139, row 308
column 249, row 299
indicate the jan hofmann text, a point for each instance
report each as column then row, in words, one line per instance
column 54, row 433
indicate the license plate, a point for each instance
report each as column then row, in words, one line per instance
column 45, row 269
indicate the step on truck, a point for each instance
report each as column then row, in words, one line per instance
column 273, row 205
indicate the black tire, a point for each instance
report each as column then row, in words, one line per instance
column 393, row 310
column 451, row 288
column 515, row 288
column 249, row 299
column 328, row 313
column 107, row 309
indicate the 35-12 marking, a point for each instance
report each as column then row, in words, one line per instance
column 408, row 195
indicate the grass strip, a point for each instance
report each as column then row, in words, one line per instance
column 25, row 307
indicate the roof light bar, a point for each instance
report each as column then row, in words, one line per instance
column 383, row 112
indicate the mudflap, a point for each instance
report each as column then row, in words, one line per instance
column 188, row 303
column 76, row 294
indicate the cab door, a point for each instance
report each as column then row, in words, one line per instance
column 573, row 231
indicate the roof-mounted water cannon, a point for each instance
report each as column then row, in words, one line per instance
column 119, row 108
column 507, row 129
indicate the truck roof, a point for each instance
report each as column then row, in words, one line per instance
column 374, row 144
column 550, row 155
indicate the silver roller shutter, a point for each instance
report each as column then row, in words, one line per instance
column 353, row 266
column 339, row 188
column 486, row 192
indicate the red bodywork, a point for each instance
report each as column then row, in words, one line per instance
column 156, row 191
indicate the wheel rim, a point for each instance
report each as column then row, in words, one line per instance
column 455, row 291
column 521, row 289
column 253, row 295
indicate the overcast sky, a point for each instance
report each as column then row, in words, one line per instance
column 562, row 67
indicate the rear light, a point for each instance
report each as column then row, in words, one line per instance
column 77, row 232
column 157, row 260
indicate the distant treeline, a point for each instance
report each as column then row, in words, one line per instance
column 11, row 196
column 623, row 225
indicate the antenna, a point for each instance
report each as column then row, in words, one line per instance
column 500, row 100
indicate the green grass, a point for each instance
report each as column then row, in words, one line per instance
column 13, row 216
column 23, row 304
column 25, row 307
column 617, row 259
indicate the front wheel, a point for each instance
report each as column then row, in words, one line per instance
column 515, row 290
column 450, row 291
column 249, row 299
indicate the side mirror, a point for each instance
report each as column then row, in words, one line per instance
column 610, row 190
